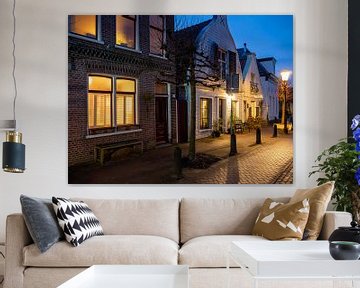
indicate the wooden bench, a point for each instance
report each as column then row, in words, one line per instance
column 101, row 149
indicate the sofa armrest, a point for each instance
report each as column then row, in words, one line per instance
column 333, row 220
column 17, row 237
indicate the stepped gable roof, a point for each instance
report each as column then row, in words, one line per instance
column 189, row 34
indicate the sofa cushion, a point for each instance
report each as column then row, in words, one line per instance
column 279, row 221
column 211, row 251
column 41, row 221
column 158, row 217
column 77, row 220
column 319, row 198
column 107, row 249
column 201, row 217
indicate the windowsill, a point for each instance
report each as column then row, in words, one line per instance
column 128, row 49
column 158, row 56
column 86, row 38
column 205, row 130
column 112, row 133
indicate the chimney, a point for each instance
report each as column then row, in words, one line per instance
column 245, row 48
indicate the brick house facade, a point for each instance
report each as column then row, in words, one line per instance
column 146, row 111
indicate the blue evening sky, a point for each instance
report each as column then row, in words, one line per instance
column 265, row 35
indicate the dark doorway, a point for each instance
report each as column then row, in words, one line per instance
column 182, row 121
column 161, row 111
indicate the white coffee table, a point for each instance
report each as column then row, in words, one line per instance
column 131, row 276
column 292, row 260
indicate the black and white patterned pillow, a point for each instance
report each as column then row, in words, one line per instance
column 77, row 220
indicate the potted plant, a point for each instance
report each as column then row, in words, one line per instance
column 216, row 128
column 341, row 163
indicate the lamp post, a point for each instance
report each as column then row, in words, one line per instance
column 285, row 77
column 233, row 149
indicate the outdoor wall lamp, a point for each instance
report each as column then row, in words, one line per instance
column 13, row 156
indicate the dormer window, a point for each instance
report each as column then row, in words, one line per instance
column 126, row 31
column 83, row 26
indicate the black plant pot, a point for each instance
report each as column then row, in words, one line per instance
column 343, row 250
column 351, row 233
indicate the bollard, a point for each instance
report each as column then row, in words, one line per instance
column 275, row 134
column 178, row 164
column 233, row 149
column 258, row 136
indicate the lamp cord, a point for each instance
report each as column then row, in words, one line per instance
column 14, row 60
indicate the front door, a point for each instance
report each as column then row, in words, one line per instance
column 161, row 112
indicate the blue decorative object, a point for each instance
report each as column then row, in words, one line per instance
column 355, row 126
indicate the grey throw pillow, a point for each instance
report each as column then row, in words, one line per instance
column 41, row 221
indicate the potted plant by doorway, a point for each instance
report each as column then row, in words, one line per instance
column 341, row 163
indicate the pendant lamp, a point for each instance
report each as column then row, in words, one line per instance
column 13, row 158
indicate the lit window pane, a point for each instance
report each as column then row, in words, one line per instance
column 99, row 110
column 125, row 31
column 83, row 25
column 157, row 21
column 204, row 113
column 120, row 109
column 91, row 111
column 125, row 85
column 125, row 109
column 161, row 89
column 129, row 107
column 99, row 83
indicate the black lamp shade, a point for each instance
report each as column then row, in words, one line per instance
column 13, row 157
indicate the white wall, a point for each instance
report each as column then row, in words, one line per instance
column 320, row 91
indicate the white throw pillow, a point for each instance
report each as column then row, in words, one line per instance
column 76, row 220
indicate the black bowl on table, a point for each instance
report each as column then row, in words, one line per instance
column 344, row 250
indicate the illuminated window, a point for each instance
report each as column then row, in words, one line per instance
column 205, row 109
column 99, row 102
column 157, row 35
column 126, row 31
column 125, row 101
column 84, row 25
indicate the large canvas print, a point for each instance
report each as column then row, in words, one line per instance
column 184, row 99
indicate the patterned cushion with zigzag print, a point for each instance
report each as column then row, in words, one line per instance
column 77, row 220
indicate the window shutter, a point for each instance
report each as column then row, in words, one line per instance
column 232, row 62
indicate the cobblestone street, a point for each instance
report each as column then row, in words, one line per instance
column 268, row 163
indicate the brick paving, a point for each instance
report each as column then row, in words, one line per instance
column 268, row 163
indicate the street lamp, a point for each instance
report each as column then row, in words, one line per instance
column 285, row 77
column 233, row 149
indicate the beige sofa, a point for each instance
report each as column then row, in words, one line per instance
column 194, row 232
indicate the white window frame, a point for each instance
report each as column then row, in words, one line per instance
column 98, row 38
column 163, row 56
column 113, row 103
column 210, row 113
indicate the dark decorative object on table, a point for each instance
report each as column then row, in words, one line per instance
column 343, row 250
column 344, row 233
